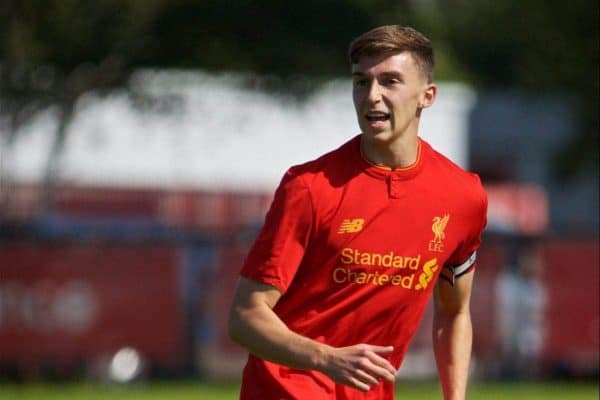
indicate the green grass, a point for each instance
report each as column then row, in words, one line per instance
column 211, row 391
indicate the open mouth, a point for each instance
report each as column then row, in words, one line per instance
column 373, row 117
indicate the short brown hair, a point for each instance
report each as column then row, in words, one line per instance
column 394, row 39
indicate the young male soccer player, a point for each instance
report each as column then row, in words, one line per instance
column 354, row 243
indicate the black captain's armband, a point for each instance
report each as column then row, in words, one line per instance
column 451, row 272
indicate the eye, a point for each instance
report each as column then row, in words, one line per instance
column 391, row 81
column 360, row 83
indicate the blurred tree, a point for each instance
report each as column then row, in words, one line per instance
column 53, row 51
column 539, row 46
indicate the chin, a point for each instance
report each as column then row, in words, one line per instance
column 379, row 136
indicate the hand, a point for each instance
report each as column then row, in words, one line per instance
column 360, row 366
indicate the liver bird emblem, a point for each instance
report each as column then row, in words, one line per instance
column 438, row 227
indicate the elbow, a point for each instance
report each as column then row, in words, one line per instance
column 455, row 315
column 234, row 326
column 451, row 308
column 449, row 314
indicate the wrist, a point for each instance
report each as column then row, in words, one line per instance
column 321, row 356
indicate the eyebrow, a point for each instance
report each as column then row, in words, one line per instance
column 386, row 74
column 391, row 74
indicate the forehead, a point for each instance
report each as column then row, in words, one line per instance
column 402, row 63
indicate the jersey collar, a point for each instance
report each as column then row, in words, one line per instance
column 386, row 173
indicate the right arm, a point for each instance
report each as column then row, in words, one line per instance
column 254, row 325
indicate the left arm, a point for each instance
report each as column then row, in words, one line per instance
column 453, row 335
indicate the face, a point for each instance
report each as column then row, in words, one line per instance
column 389, row 92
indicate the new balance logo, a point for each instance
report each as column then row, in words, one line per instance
column 351, row 225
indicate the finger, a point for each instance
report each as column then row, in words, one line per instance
column 380, row 361
column 365, row 377
column 382, row 367
column 359, row 385
column 381, row 349
column 377, row 351
column 379, row 372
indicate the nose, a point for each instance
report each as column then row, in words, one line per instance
column 374, row 93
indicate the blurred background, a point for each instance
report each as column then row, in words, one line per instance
column 141, row 141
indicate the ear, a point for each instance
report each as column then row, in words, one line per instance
column 428, row 95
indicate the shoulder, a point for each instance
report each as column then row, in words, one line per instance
column 328, row 165
column 463, row 186
column 459, row 180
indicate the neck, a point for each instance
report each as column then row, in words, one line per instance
column 400, row 153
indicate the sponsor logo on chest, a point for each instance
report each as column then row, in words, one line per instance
column 413, row 272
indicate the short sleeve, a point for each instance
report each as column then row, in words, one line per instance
column 279, row 248
column 464, row 257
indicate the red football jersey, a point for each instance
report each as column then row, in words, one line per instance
column 356, row 250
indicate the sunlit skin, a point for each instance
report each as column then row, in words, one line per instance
column 389, row 92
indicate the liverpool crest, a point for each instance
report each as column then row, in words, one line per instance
column 438, row 227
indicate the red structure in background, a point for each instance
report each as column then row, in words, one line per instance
column 206, row 211
column 68, row 301
column 572, row 279
column 69, row 304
